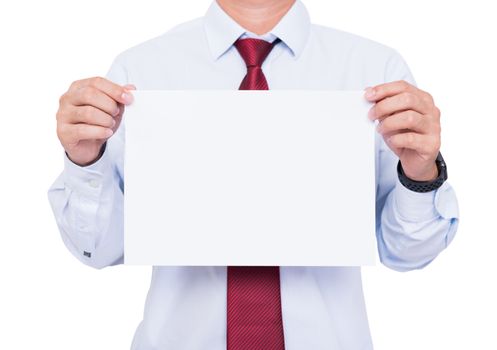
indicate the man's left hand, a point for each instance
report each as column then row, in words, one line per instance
column 409, row 122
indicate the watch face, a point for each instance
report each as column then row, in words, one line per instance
column 442, row 167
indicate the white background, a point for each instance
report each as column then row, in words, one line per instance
column 49, row 300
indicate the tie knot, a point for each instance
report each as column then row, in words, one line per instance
column 254, row 51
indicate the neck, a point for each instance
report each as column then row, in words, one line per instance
column 256, row 16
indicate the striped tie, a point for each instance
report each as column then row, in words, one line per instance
column 254, row 320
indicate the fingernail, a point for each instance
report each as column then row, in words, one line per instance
column 370, row 92
column 372, row 113
column 118, row 110
column 109, row 132
column 127, row 97
column 113, row 123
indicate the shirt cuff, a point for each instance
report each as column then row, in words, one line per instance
column 86, row 179
column 414, row 206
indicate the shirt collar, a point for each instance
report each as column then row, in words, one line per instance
column 222, row 31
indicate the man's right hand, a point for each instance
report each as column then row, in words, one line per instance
column 89, row 114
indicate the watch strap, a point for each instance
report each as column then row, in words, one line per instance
column 424, row 186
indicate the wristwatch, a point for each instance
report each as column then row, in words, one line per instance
column 424, row 186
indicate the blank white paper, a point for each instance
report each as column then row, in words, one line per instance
column 249, row 178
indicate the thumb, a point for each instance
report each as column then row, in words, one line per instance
column 129, row 87
column 119, row 116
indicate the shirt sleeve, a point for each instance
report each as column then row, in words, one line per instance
column 87, row 202
column 412, row 228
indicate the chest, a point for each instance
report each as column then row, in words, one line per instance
column 318, row 67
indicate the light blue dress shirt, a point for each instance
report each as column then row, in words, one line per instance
column 323, row 307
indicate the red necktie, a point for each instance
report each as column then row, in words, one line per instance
column 254, row 319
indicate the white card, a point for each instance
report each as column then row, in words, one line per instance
column 278, row 177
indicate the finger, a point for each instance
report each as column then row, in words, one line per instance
column 382, row 91
column 423, row 144
column 90, row 96
column 91, row 115
column 117, row 92
column 398, row 103
column 407, row 120
column 79, row 132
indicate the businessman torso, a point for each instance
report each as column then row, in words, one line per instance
column 323, row 307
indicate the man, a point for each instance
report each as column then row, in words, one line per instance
column 256, row 44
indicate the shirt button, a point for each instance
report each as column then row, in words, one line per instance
column 94, row 183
